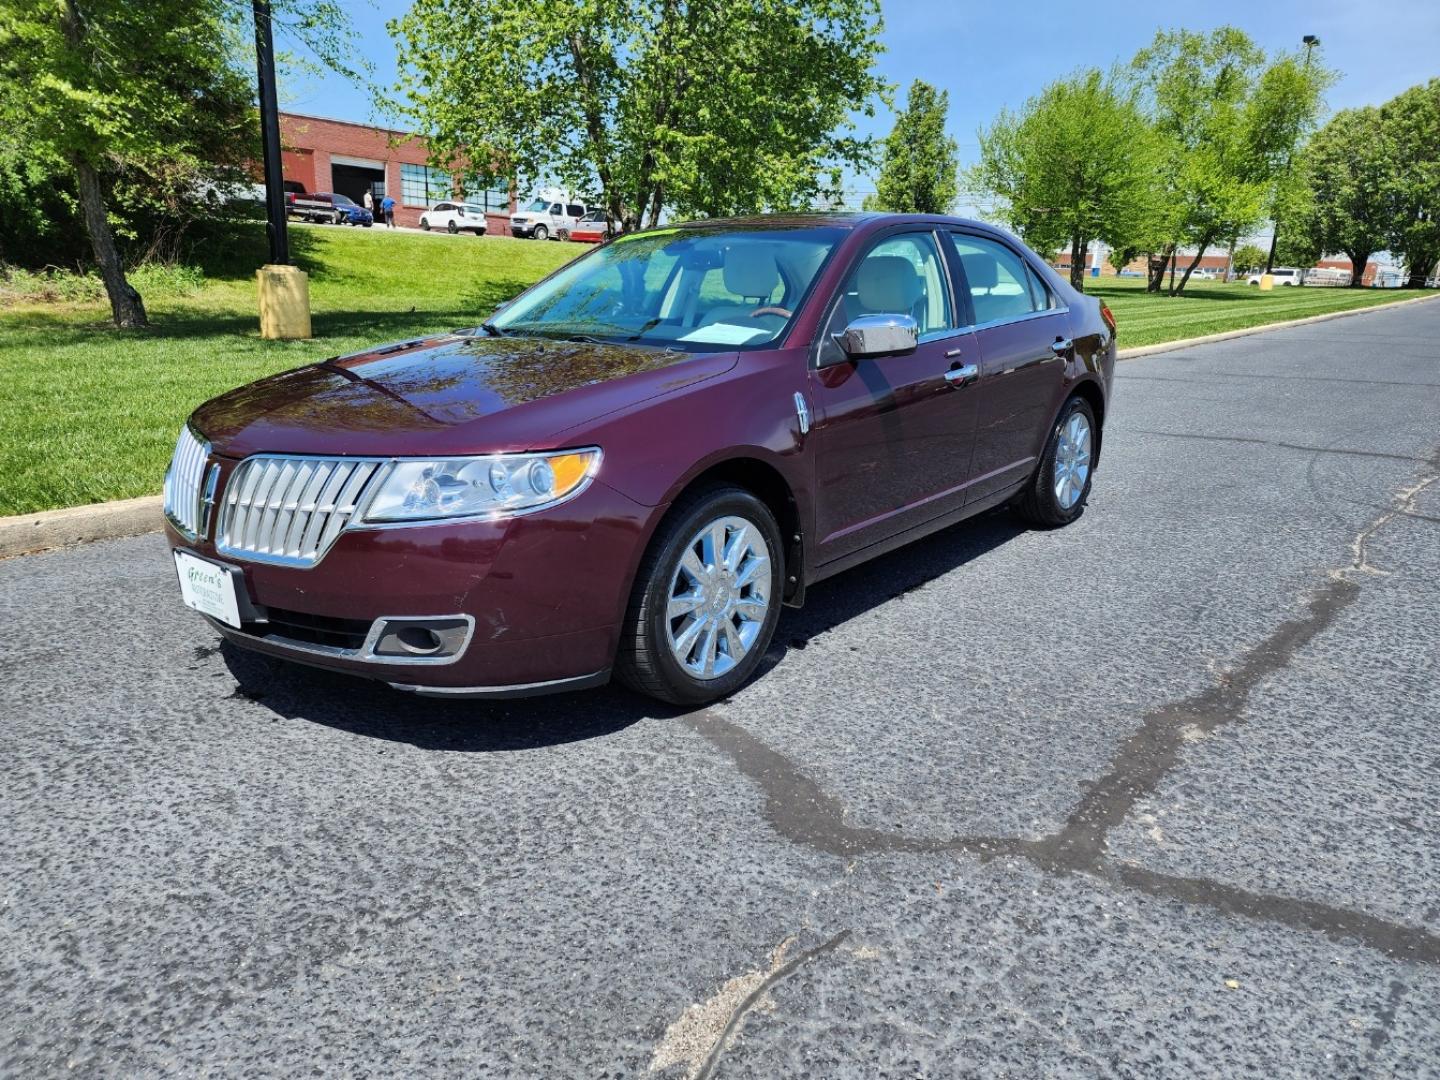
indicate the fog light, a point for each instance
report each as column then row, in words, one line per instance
column 437, row 640
column 418, row 640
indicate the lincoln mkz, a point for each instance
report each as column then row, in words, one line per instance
column 632, row 466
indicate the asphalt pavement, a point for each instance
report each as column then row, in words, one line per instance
column 1154, row 795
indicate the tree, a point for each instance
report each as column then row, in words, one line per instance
column 1412, row 127
column 919, row 171
column 1249, row 257
column 703, row 106
column 1196, row 90
column 1342, row 199
column 101, row 88
column 1076, row 164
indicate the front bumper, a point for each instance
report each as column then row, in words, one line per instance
column 546, row 593
column 522, row 229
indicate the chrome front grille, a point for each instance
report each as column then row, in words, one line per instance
column 287, row 509
column 189, row 492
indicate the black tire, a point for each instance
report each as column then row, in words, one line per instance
column 645, row 662
column 541, row 233
column 1038, row 504
column 425, row 224
column 452, row 228
column 562, row 235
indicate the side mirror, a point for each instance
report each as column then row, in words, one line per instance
column 879, row 335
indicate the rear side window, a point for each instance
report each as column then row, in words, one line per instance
column 1001, row 285
column 574, row 210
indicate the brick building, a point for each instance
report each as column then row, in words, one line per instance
column 348, row 158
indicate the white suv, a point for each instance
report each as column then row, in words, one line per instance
column 1284, row 275
column 548, row 217
column 454, row 217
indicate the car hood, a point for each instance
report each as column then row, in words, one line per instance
column 453, row 394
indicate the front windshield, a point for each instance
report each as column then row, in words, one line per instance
column 697, row 289
column 343, row 200
column 537, row 206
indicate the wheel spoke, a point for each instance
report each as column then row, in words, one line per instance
column 692, row 565
column 748, row 572
column 734, row 646
column 685, row 640
column 683, row 604
column 708, row 648
column 751, row 608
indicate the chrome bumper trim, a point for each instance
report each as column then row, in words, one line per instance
column 515, row 690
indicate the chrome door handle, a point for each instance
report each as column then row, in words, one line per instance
column 958, row 376
column 1062, row 346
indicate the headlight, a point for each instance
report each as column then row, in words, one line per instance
column 490, row 486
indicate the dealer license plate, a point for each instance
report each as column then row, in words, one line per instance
column 209, row 588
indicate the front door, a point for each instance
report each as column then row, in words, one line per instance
column 1024, row 341
column 893, row 434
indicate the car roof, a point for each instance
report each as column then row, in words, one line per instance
column 828, row 218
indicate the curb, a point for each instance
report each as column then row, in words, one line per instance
column 1226, row 335
column 27, row 534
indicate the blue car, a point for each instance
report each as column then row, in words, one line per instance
column 326, row 208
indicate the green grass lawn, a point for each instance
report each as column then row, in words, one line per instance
column 90, row 413
column 1208, row 307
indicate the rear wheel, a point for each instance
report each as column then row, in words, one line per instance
column 452, row 228
column 562, row 235
column 1060, row 486
column 542, row 233
column 706, row 599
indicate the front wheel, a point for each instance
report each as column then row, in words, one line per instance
column 542, row 233
column 452, row 228
column 706, row 599
column 1060, row 486
column 425, row 224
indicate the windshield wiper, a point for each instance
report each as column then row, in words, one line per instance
column 650, row 325
column 490, row 328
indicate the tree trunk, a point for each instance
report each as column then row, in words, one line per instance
column 126, row 307
column 1420, row 268
column 1077, row 263
column 1230, row 260
column 1155, row 270
column 1174, row 255
column 1205, row 243
column 1357, row 268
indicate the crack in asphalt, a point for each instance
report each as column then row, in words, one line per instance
column 1249, row 440
column 799, row 809
column 712, row 1061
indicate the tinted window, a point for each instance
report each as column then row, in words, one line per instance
column 1001, row 285
column 574, row 210
column 555, row 208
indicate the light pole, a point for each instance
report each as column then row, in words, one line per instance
column 1309, row 41
column 284, row 289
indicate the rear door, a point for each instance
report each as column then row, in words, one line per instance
column 893, row 436
column 1022, row 330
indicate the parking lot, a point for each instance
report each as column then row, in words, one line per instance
column 1155, row 794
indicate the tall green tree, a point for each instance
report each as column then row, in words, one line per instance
column 700, row 106
column 102, row 88
column 1412, row 126
column 1077, row 163
column 920, row 163
column 1196, row 89
column 1341, row 199
column 1249, row 257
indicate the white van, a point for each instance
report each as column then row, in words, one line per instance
column 550, row 216
column 1284, row 275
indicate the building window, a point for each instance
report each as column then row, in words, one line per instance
column 421, row 185
column 496, row 200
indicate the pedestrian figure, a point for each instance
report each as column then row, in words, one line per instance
column 369, row 200
column 388, row 207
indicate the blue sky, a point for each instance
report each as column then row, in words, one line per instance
column 993, row 55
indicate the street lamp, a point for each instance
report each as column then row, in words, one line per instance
column 1309, row 41
column 284, row 288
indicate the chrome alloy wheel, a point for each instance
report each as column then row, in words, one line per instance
column 719, row 597
column 1072, row 460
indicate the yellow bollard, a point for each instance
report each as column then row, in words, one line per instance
column 1267, row 282
column 284, row 301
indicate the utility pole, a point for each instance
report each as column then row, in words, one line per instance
column 284, row 289
column 1309, row 41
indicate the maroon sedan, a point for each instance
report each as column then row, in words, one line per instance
column 633, row 465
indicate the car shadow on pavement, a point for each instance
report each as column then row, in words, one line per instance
column 375, row 711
